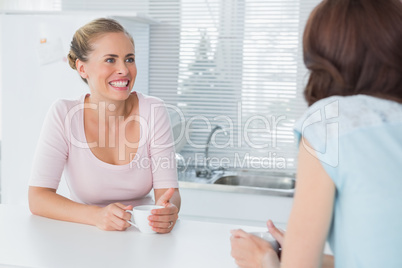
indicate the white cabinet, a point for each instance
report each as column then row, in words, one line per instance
column 237, row 208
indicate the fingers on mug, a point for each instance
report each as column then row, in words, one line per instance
column 140, row 217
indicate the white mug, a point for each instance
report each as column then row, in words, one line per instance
column 139, row 218
column 269, row 238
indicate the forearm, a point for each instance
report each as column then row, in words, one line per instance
column 327, row 261
column 176, row 199
column 47, row 203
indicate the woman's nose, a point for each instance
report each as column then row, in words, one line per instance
column 122, row 68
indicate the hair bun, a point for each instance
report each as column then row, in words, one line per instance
column 71, row 60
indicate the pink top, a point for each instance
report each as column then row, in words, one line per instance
column 62, row 146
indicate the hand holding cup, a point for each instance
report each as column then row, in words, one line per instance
column 258, row 249
column 140, row 216
column 164, row 219
column 158, row 218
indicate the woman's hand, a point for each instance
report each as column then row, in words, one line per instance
column 251, row 251
column 279, row 235
column 113, row 217
column 163, row 220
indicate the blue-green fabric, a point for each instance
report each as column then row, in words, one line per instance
column 358, row 140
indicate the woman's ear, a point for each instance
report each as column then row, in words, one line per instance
column 81, row 68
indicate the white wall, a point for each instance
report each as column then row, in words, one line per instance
column 29, row 88
column 1, row 79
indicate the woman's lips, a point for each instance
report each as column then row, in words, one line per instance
column 120, row 84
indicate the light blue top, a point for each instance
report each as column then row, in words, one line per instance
column 358, row 140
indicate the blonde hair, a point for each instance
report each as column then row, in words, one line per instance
column 80, row 46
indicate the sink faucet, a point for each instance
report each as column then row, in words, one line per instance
column 207, row 170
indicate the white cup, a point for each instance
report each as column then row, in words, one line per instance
column 139, row 218
column 269, row 238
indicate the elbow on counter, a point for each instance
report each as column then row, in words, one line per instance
column 32, row 200
column 37, row 199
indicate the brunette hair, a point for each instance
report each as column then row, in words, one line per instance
column 81, row 44
column 354, row 47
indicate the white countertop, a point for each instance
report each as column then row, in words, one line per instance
column 32, row 241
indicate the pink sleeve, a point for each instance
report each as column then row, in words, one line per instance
column 162, row 150
column 51, row 150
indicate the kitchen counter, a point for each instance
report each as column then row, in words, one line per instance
column 27, row 240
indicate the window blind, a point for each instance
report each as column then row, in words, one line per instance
column 237, row 64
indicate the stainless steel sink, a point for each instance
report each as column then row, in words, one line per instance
column 271, row 182
column 243, row 181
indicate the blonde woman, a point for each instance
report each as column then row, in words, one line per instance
column 114, row 145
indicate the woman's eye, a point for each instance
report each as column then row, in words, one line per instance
column 130, row 60
column 110, row 60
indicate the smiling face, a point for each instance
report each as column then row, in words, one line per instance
column 110, row 70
